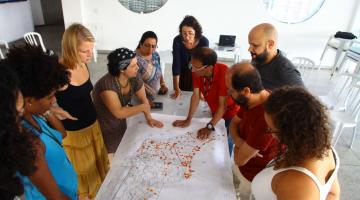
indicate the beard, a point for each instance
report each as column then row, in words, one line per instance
column 260, row 58
column 242, row 101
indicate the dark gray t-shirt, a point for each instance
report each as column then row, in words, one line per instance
column 279, row 72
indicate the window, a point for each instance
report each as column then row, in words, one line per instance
column 293, row 11
column 143, row 6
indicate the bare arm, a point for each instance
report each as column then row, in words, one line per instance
column 163, row 89
column 242, row 151
column 294, row 185
column 220, row 111
column 194, row 102
column 334, row 193
column 142, row 97
column 204, row 133
column 177, row 91
column 112, row 103
column 43, row 179
column 55, row 123
column 234, row 131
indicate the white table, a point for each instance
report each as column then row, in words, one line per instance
column 228, row 54
column 170, row 163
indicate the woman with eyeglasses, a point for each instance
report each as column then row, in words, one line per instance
column 40, row 77
column 17, row 147
column 149, row 66
column 190, row 37
column 112, row 95
column 307, row 168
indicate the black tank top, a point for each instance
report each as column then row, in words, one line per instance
column 77, row 101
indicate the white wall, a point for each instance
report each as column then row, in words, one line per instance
column 115, row 26
column 15, row 20
column 37, row 12
column 72, row 11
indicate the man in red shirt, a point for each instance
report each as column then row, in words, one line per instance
column 254, row 144
column 209, row 80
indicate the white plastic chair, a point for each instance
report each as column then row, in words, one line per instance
column 349, row 118
column 34, row 39
column 304, row 65
column 339, row 45
column 352, row 54
column 336, row 98
column 3, row 43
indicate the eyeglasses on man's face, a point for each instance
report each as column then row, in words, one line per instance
column 195, row 68
column 153, row 46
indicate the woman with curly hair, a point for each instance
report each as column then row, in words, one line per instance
column 40, row 77
column 307, row 167
column 17, row 146
column 84, row 143
column 190, row 37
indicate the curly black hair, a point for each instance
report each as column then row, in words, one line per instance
column 39, row 73
column 302, row 123
column 193, row 23
column 17, row 148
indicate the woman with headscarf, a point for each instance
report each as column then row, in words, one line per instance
column 112, row 95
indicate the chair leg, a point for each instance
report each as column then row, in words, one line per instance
column 337, row 133
column 353, row 137
column 322, row 56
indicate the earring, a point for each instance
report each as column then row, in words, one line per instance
column 29, row 104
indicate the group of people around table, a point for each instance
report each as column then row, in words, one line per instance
column 278, row 132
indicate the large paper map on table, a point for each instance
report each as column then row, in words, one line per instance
column 169, row 163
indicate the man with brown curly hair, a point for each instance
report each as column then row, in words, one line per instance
column 254, row 146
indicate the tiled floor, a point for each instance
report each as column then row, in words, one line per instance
column 318, row 83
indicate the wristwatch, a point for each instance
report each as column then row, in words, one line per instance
column 210, row 126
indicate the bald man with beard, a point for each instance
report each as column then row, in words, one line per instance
column 275, row 69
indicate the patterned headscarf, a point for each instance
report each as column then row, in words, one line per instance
column 120, row 58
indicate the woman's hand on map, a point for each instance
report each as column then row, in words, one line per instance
column 181, row 123
column 155, row 123
column 203, row 133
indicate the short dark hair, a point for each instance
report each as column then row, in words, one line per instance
column 206, row 55
column 247, row 78
column 146, row 35
column 39, row 73
column 302, row 122
column 191, row 22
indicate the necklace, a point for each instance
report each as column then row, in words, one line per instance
column 122, row 86
column 121, row 96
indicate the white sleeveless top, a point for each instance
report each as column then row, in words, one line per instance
column 261, row 184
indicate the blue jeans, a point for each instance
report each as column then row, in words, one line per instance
column 230, row 141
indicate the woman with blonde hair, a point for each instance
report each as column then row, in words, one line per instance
column 84, row 144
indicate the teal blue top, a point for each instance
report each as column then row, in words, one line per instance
column 57, row 161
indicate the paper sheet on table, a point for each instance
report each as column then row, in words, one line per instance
column 169, row 163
